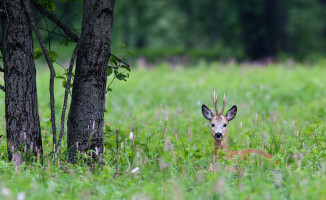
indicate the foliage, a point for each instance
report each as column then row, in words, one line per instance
column 118, row 67
column 224, row 29
column 280, row 110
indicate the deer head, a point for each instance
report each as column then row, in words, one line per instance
column 219, row 122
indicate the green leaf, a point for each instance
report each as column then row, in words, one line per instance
column 53, row 55
column 61, row 77
column 130, row 53
column 64, row 83
column 109, row 89
column 109, row 71
column 37, row 53
column 53, row 7
column 126, row 67
column 113, row 61
column 121, row 76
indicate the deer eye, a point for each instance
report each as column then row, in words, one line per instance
column 213, row 125
column 224, row 125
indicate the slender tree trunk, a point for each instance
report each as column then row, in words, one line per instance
column 86, row 116
column 22, row 117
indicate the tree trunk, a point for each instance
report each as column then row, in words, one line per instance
column 22, row 117
column 86, row 116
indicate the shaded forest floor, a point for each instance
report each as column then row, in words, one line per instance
column 281, row 109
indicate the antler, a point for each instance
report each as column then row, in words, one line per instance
column 215, row 102
column 223, row 105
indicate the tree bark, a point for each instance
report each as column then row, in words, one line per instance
column 21, row 107
column 86, row 116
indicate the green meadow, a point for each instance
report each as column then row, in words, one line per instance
column 281, row 110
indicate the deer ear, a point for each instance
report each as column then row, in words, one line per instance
column 231, row 113
column 206, row 112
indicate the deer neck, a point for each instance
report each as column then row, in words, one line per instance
column 220, row 144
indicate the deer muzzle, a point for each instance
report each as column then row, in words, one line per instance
column 218, row 136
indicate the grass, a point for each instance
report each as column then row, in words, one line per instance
column 281, row 109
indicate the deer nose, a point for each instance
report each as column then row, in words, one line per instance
column 218, row 135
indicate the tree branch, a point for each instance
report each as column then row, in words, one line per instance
column 48, row 60
column 65, row 28
column 119, row 60
column 57, row 21
column 67, row 90
column 2, row 88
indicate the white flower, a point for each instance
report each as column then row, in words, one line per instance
column 5, row 191
column 21, row 196
column 131, row 135
column 135, row 170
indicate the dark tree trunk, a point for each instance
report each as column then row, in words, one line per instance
column 22, row 117
column 264, row 27
column 86, row 116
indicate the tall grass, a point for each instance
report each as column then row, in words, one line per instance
column 281, row 109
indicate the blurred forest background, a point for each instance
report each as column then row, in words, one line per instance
column 213, row 29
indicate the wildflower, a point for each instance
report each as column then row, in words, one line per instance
column 241, row 124
column 210, row 167
column 93, row 125
column 131, row 135
column 299, row 163
column 21, row 196
column 167, row 144
column 295, row 156
column 135, row 170
column 248, row 141
column 5, row 191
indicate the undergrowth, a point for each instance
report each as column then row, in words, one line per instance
column 165, row 148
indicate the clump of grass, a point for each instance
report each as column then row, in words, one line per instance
column 169, row 154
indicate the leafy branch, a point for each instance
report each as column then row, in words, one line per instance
column 119, row 68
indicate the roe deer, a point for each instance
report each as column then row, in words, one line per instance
column 219, row 124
